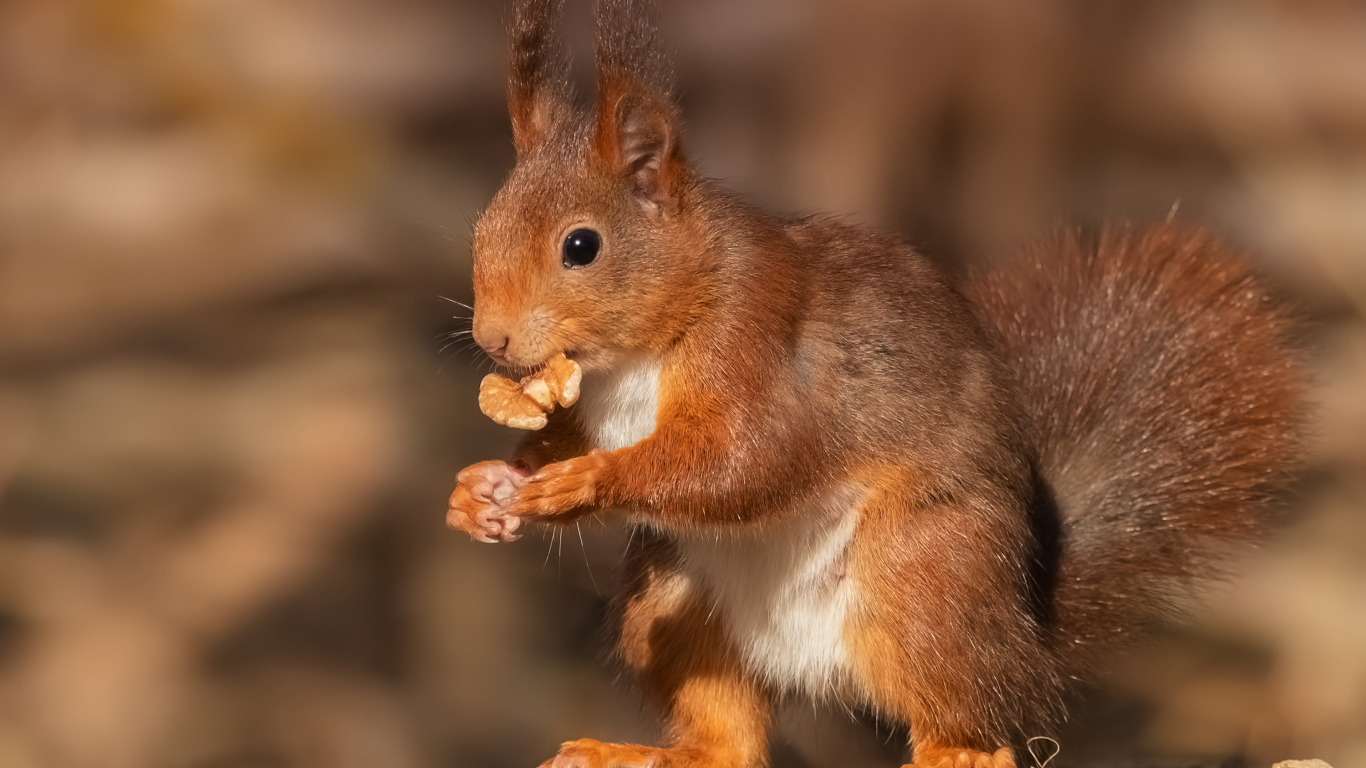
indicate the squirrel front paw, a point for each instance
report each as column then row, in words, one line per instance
column 562, row 490
column 480, row 504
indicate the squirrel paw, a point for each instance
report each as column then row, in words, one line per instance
column 479, row 504
column 561, row 488
column 590, row 753
column 950, row 757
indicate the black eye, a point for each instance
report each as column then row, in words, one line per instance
column 580, row 248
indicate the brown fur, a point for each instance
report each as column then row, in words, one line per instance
column 1031, row 468
column 538, row 83
column 1166, row 400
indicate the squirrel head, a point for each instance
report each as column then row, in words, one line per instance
column 592, row 246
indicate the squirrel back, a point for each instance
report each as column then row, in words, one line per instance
column 1160, row 380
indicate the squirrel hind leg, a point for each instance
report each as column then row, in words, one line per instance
column 933, row 756
column 590, row 753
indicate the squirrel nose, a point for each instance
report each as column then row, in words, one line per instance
column 494, row 343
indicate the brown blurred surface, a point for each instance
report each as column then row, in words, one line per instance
column 230, row 411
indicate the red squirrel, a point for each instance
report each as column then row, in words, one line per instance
column 854, row 480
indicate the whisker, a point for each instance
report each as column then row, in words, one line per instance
column 443, row 231
column 465, row 342
column 586, row 564
column 465, row 348
column 457, row 303
column 548, row 550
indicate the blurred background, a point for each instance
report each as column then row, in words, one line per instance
column 234, row 241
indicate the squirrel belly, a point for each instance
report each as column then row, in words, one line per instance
column 784, row 592
column 781, row 591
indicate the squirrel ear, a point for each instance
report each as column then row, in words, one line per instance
column 637, row 137
column 538, row 86
column 637, row 131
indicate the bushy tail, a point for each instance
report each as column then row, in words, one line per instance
column 1167, row 397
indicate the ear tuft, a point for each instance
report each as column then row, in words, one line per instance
column 638, row 130
column 538, row 85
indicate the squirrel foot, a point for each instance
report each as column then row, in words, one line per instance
column 590, row 753
column 951, row 757
column 479, row 504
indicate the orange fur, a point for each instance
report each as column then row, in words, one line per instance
column 941, row 757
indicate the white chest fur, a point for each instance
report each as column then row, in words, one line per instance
column 784, row 592
column 617, row 408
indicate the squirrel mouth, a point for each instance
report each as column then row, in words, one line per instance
column 528, row 370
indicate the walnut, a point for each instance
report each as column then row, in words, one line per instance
column 524, row 404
